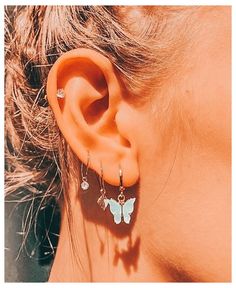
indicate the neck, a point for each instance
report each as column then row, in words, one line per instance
column 89, row 251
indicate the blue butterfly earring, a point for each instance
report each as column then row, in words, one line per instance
column 121, row 209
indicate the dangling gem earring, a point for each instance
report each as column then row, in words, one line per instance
column 84, row 176
column 101, row 199
column 121, row 208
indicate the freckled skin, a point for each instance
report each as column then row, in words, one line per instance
column 181, row 224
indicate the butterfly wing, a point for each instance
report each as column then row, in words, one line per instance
column 128, row 208
column 115, row 209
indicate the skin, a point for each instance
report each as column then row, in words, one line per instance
column 179, row 153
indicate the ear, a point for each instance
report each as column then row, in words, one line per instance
column 88, row 114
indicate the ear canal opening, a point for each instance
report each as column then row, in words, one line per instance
column 96, row 109
column 125, row 142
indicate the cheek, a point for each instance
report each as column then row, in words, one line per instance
column 185, row 223
column 206, row 105
column 206, row 98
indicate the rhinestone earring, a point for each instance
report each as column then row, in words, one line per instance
column 101, row 199
column 84, row 175
column 60, row 93
column 121, row 209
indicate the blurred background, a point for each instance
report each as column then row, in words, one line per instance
column 31, row 236
column 31, row 233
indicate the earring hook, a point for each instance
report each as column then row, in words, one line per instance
column 122, row 188
column 84, row 184
column 101, row 200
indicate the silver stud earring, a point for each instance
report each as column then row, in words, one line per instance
column 101, row 199
column 60, row 93
column 121, row 209
column 84, row 175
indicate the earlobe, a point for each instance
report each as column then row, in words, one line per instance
column 86, row 112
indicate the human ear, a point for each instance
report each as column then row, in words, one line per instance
column 88, row 114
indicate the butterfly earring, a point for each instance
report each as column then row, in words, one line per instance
column 121, row 209
column 84, row 175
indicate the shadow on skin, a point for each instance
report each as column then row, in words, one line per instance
column 128, row 256
column 93, row 213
